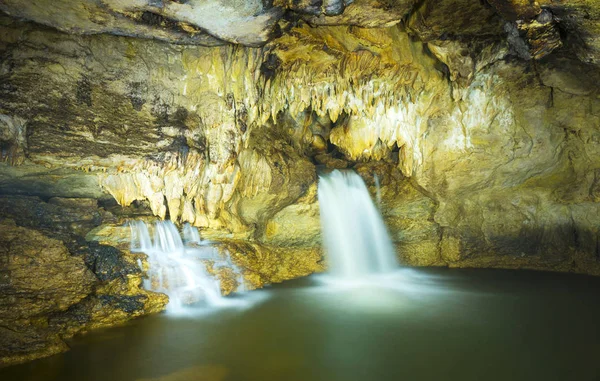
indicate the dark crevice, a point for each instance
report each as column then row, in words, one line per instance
column 154, row 19
column 269, row 67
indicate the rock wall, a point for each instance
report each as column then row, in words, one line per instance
column 501, row 154
column 54, row 284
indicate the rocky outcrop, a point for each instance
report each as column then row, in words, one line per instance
column 196, row 22
column 54, row 283
column 39, row 278
column 13, row 141
column 534, row 29
column 547, row 25
column 461, row 130
column 208, row 23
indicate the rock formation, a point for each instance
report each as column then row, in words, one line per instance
column 480, row 121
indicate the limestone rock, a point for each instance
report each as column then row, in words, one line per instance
column 542, row 21
column 13, row 142
column 297, row 225
column 534, row 28
column 39, row 180
column 454, row 19
column 54, row 283
column 233, row 157
column 514, row 10
column 569, row 76
column 272, row 264
column 59, row 216
column 277, row 256
column 39, row 277
column 364, row 13
column 245, row 22
column 113, row 304
column 407, row 212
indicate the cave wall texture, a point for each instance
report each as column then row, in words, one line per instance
column 481, row 121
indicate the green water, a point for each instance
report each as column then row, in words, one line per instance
column 434, row 325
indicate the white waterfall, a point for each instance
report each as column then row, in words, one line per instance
column 191, row 234
column 179, row 269
column 377, row 190
column 355, row 238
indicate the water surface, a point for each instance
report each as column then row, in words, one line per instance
column 435, row 324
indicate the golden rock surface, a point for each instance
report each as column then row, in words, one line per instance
column 491, row 156
column 40, row 277
column 54, row 283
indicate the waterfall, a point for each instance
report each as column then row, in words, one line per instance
column 377, row 190
column 355, row 238
column 191, row 234
column 177, row 267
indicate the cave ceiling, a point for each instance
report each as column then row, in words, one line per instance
column 533, row 29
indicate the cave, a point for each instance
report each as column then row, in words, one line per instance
column 299, row 190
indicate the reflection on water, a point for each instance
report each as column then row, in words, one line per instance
column 416, row 325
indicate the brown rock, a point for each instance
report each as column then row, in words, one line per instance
column 39, row 277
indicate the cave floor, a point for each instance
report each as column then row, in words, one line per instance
column 428, row 324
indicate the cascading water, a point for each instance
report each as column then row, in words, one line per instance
column 356, row 241
column 377, row 190
column 178, row 267
column 191, row 234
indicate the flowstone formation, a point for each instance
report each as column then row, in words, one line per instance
column 476, row 126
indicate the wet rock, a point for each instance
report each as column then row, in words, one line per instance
column 281, row 252
column 264, row 264
column 38, row 277
column 568, row 75
column 60, row 216
column 106, row 310
column 39, row 274
column 55, row 283
column 297, row 225
column 458, row 117
column 13, row 141
column 25, row 342
column 330, row 161
column 128, row 304
column 108, row 263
